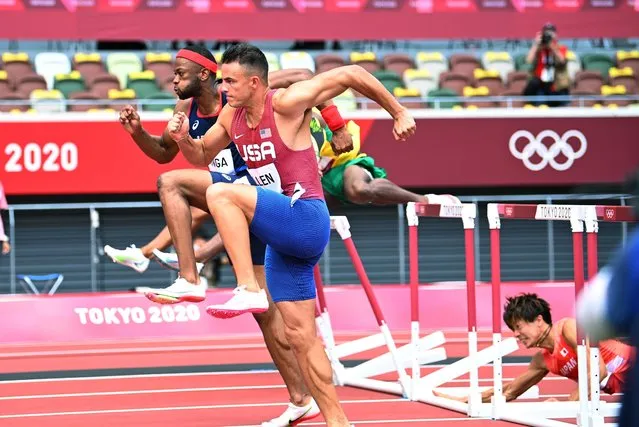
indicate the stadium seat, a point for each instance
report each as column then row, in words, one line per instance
column 598, row 62
column 90, row 98
column 490, row 79
column 628, row 59
column 517, row 81
column 588, row 80
column 398, row 63
column 408, row 97
column 121, row 97
column 328, row 61
column 573, row 64
column 614, row 91
column 501, row 62
column 47, row 101
column 69, row 83
column 120, row 64
column 273, row 61
column 442, row 93
column 454, row 81
column 16, row 65
column 389, row 79
column 21, row 103
column 102, row 83
column 421, row 80
column 143, row 83
column 48, row 64
column 5, row 87
column 463, row 63
column 161, row 64
column 164, row 101
column 434, row 62
column 475, row 95
column 625, row 77
column 27, row 83
column 346, row 101
column 366, row 60
column 297, row 59
column 89, row 65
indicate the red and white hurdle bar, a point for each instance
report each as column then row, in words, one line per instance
column 588, row 412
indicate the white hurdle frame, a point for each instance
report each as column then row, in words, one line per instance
column 394, row 360
column 588, row 412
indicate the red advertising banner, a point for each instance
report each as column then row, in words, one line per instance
column 313, row 19
column 450, row 149
column 128, row 316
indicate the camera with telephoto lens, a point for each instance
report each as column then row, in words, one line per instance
column 546, row 37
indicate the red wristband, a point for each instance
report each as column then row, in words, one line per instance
column 332, row 118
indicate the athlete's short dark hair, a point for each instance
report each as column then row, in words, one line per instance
column 526, row 307
column 248, row 56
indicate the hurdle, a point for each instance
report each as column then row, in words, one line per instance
column 594, row 215
column 422, row 387
column 587, row 412
column 396, row 359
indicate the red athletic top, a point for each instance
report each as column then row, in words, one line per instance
column 563, row 359
column 271, row 162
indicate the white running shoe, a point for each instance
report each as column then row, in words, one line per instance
column 442, row 199
column 179, row 291
column 131, row 257
column 293, row 415
column 242, row 302
column 170, row 260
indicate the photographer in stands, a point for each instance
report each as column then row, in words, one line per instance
column 549, row 71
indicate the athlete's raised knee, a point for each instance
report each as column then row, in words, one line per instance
column 218, row 193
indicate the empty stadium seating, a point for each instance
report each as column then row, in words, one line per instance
column 89, row 81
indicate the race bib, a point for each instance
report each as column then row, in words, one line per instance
column 223, row 162
column 268, row 177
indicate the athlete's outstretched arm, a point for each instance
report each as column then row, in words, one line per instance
column 160, row 148
column 536, row 372
column 303, row 95
column 342, row 141
column 201, row 152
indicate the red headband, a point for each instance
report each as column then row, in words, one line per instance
column 198, row 59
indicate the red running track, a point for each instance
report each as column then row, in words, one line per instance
column 197, row 399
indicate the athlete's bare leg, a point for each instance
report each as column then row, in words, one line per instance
column 178, row 190
column 360, row 188
column 233, row 208
column 272, row 326
column 299, row 326
column 210, row 249
column 163, row 239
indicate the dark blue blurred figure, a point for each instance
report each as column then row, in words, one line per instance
column 609, row 307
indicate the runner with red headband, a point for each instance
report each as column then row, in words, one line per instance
column 201, row 100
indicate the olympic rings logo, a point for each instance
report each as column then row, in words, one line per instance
column 548, row 154
column 610, row 213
